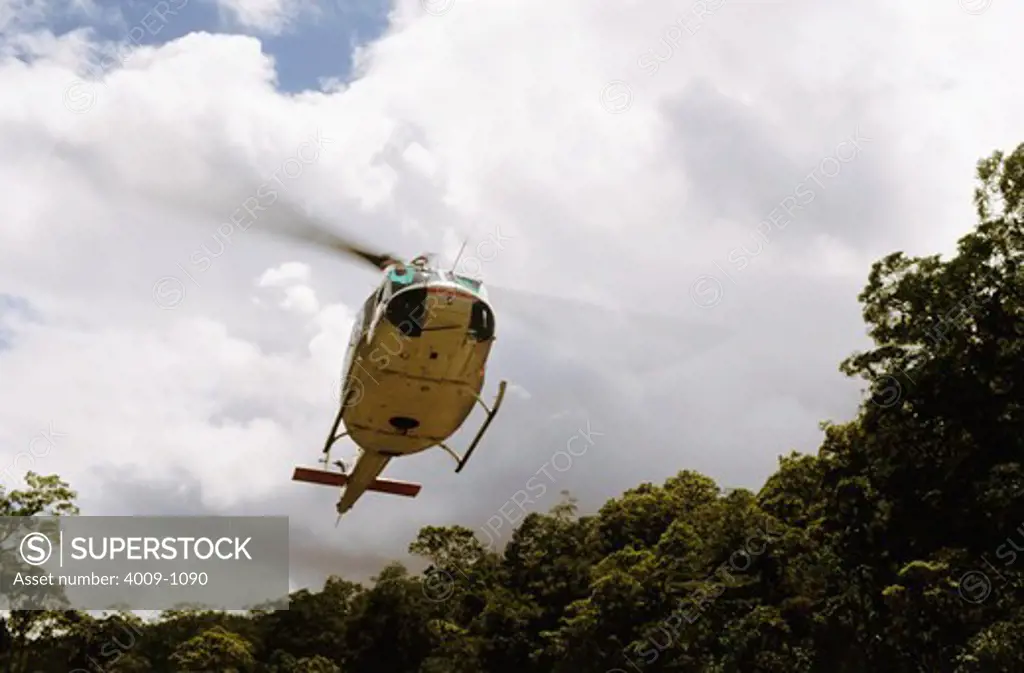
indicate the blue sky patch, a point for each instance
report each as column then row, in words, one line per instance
column 316, row 46
column 11, row 308
column 321, row 47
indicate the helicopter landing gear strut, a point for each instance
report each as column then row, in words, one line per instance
column 491, row 413
column 331, row 439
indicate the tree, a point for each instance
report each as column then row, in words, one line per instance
column 44, row 496
column 316, row 664
column 214, row 650
column 289, row 630
column 941, row 438
column 389, row 629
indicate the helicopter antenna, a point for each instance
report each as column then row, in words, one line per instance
column 461, row 250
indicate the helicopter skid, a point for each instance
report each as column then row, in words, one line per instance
column 338, row 479
column 491, row 413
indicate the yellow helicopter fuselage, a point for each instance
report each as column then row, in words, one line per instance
column 415, row 367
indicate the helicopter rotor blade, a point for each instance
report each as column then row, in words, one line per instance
column 309, row 230
column 285, row 219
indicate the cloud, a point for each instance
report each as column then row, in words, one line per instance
column 285, row 275
column 291, row 278
column 146, row 193
column 300, row 298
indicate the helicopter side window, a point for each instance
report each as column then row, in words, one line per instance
column 468, row 283
column 369, row 308
column 358, row 325
column 481, row 322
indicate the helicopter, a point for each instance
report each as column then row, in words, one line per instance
column 413, row 373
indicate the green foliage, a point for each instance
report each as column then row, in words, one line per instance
column 45, row 496
column 894, row 548
column 214, row 650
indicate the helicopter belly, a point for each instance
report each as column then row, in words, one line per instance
column 407, row 394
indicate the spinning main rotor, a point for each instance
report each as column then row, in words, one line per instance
column 317, row 235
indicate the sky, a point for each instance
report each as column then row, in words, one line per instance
column 676, row 203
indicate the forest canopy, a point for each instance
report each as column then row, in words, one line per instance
column 892, row 549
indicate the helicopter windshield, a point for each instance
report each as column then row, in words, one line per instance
column 402, row 278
